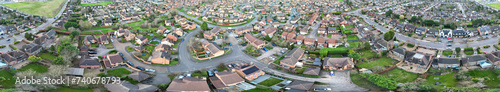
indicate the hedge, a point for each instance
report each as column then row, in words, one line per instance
column 17, row 42
column 486, row 46
column 410, row 45
column 2, row 46
column 11, row 46
column 468, row 49
column 380, row 81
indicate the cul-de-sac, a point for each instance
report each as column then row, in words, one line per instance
column 249, row 45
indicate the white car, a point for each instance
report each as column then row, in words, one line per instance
column 150, row 70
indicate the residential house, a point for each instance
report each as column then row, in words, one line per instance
column 140, row 39
column 400, row 27
column 418, row 60
column 312, row 71
column 472, row 32
column 397, row 54
column 410, row 28
column 321, row 42
column 254, row 41
column 332, row 30
column 495, row 28
column 14, row 57
column 300, row 85
column 269, row 31
column 139, row 76
column 161, row 57
column 322, row 31
column 473, row 60
column 214, row 32
column 189, row 26
column 292, row 58
column 460, row 32
column 225, row 79
column 249, row 71
column 445, row 33
column 433, row 32
column 244, row 29
column 310, row 41
column 295, row 20
column 89, row 63
column 420, row 30
column 338, row 63
column 446, row 63
column 103, row 39
column 300, row 39
column 113, row 60
column 493, row 57
column 380, row 45
column 332, row 43
column 484, row 30
column 31, row 49
column 289, row 27
column 304, row 30
column 88, row 40
column 126, row 86
column 178, row 31
column 188, row 84
column 211, row 49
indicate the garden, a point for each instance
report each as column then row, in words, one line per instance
column 118, row 72
column 447, row 53
column 381, row 62
column 469, row 51
column 9, row 79
column 400, row 76
column 35, row 67
column 270, row 82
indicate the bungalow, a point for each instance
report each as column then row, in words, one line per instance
column 188, row 84
column 332, row 43
column 446, row 63
column 420, row 30
column 289, row 27
column 493, row 57
column 397, row 53
column 304, row 30
column 409, row 28
column 300, row 86
column 160, row 57
column 473, row 60
column 249, row 71
column 322, row 31
column 399, row 27
column 190, row 26
column 294, row 20
column 472, row 32
column 300, row 39
column 140, row 39
column 31, row 49
column 178, row 31
column 88, row 63
column 310, row 41
column 269, row 31
column 338, row 63
column 332, row 30
column 211, row 49
column 418, row 60
column 139, row 76
column 380, row 45
column 445, row 33
column 126, row 86
column 225, row 79
column 161, row 29
column 14, row 57
column 292, row 58
column 113, row 60
column 254, row 41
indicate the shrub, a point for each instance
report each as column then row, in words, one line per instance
column 486, row 46
column 380, row 81
column 468, row 49
column 2, row 46
column 475, row 80
column 16, row 42
column 12, row 46
column 410, row 45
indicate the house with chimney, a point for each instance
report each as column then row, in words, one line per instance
column 249, row 71
column 112, row 60
column 444, row 62
column 254, row 41
column 225, row 79
column 140, row 39
column 474, row 60
column 269, row 31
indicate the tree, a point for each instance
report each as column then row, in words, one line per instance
column 401, row 16
column 388, row 13
column 414, row 19
column 389, row 35
column 74, row 33
column 71, row 24
column 267, row 38
column 34, row 58
column 354, row 56
column 84, row 25
column 367, row 46
column 28, row 36
column 204, row 26
column 458, row 49
column 162, row 86
column 67, row 50
column 58, row 61
column 102, row 75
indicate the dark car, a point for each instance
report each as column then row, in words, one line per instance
column 124, row 58
column 130, row 63
column 140, row 68
column 91, row 55
column 234, row 65
column 230, row 44
column 274, row 44
column 91, row 49
column 8, row 39
column 92, row 52
column 215, row 70
column 210, row 73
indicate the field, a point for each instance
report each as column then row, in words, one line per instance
column 93, row 4
column 47, row 56
column 47, row 8
column 495, row 5
column 368, row 54
column 493, row 79
column 400, row 76
column 352, row 37
column 448, row 80
column 35, row 67
column 447, row 53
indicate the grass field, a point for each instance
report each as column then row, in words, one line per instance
column 368, row 54
column 47, row 56
column 360, row 81
column 492, row 83
column 48, row 8
column 400, row 76
column 447, row 53
column 383, row 61
column 352, row 37
column 448, row 80
column 270, row 82
column 495, row 5
column 93, row 4
column 118, row 72
column 10, row 81
column 355, row 44
column 35, row 67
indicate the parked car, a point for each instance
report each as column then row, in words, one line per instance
column 8, row 39
column 210, row 73
column 124, row 58
column 93, row 52
column 121, row 54
column 265, row 49
column 225, row 48
column 274, row 44
column 130, row 63
column 91, row 49
column 230, row 44
column 332, row 73
column 91, row 55
column 234, row 65
column 230, row 66
column 140, row 68
column 322, row 89
column 215, row 70
column 188, row 75
column 150, row 70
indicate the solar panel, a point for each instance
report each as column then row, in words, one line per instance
column 251, row 70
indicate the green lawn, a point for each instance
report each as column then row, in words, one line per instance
column 495, row 5
column 494, row 80
column 199, row 74
column 98, row 32
column 447, row 53
column 10, row 80
column 349, row 26
column 270, row 82
column 109, row 46
column 352, row 37
column 48, row 8
column 300, row 70
column 154, row 42
column 118, row 72
column 106, row 31
column 469, row 52
column 258, row 90
column 47, row 56
column 448, row 80
column 368, row 54
column 72, row 90
column 355, row 44
column 400, row 76
column 130, row 49
column 35, row 67
column 93, row 4
column 382, row 61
